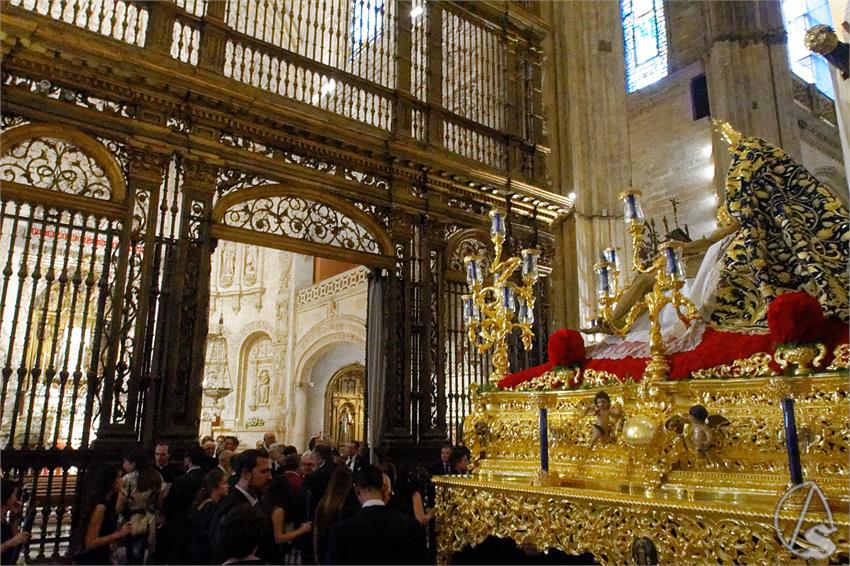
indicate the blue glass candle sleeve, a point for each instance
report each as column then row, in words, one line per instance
column 791, row 444
column 672, row 261
column 544, row 440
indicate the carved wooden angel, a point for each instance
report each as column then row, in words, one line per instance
column 606, row 418
column 701, row 436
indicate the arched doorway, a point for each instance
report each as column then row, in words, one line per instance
column 344, row 405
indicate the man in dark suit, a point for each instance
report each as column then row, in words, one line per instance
column 442, row 467
column 254, row 470
column 178, row 504
column 376, row 534
column 168, row 470
column 317, row 482
column 354, row 461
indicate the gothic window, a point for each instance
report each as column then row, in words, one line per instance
column 645, row 38
column 800, row 15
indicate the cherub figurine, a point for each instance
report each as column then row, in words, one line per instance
column 701, row 437
column 604, row 413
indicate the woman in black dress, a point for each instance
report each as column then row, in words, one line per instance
column 100, row 522
column 213, row 491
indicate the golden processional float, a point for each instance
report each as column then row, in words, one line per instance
column 719, row 435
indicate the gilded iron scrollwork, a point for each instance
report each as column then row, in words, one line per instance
column 303, row 219
column 56, row 165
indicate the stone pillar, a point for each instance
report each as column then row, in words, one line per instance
column 749, row 79
column 585, row 98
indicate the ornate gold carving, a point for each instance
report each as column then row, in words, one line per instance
column 842, row 357
column 756, row 365
column 595, row 377
column 802, row 357
column 504, row 427
column 606, row 525
column 557, row 378
column 821, row 39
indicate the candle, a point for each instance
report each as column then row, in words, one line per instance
column 611, row 256
column 508, row 298
column 526, row 314
column 673, row 261
column 791, row 444
column 474, row 275
column 468, row 308
column 544, row 440
column 497, row 223
column 603, row 279
column 529, row 263
column 632, row 211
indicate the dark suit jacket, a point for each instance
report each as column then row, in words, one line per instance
column 358, row 464
column 438, row 469
column 314, row 487
column 377, row 535
column 169, row 472
column 176, row 509
column 233, row 499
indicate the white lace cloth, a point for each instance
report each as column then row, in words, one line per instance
column 677, row 336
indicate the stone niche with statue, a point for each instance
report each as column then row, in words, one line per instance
column 710, row 424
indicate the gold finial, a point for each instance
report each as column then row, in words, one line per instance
column 732, row 136
column 821, row 39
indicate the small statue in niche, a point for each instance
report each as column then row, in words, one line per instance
column 700, row 431
column 250, row 265
column 228, row 265
column 604, row 413
column 263, row 386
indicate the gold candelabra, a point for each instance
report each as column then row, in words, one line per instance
column 669, row 280
column 488, row 311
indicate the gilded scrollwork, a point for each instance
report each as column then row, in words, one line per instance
column 755, row 366
column 56, row 165
column 841, row 357
column 751, row 443
column 606, row 526
column 301, row 218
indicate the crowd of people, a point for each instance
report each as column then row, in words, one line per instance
column 264, row 505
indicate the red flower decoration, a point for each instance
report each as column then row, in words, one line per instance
column 795, row 318
column 566, row 347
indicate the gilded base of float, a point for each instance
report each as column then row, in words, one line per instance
column 607, row 524
column 694, row 506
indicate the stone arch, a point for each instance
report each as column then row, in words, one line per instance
column 345, row 393
column 244, row 393
column 320, row 339
column 43, row 142
column 303, row 220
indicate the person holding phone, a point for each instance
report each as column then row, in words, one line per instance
column 12, row 537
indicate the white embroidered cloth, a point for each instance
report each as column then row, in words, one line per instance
column 677, row 336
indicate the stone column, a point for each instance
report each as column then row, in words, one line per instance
column 749, row 79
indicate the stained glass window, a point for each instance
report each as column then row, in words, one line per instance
column 645, row 38
column 800, row 15
column 367, row 21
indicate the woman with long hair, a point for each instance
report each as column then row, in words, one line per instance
column 138, row 502
column 338, row 503
column 279, row 507
column 100, row 519
column 213, row 490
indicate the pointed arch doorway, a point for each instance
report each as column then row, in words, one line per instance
column 345, row 405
